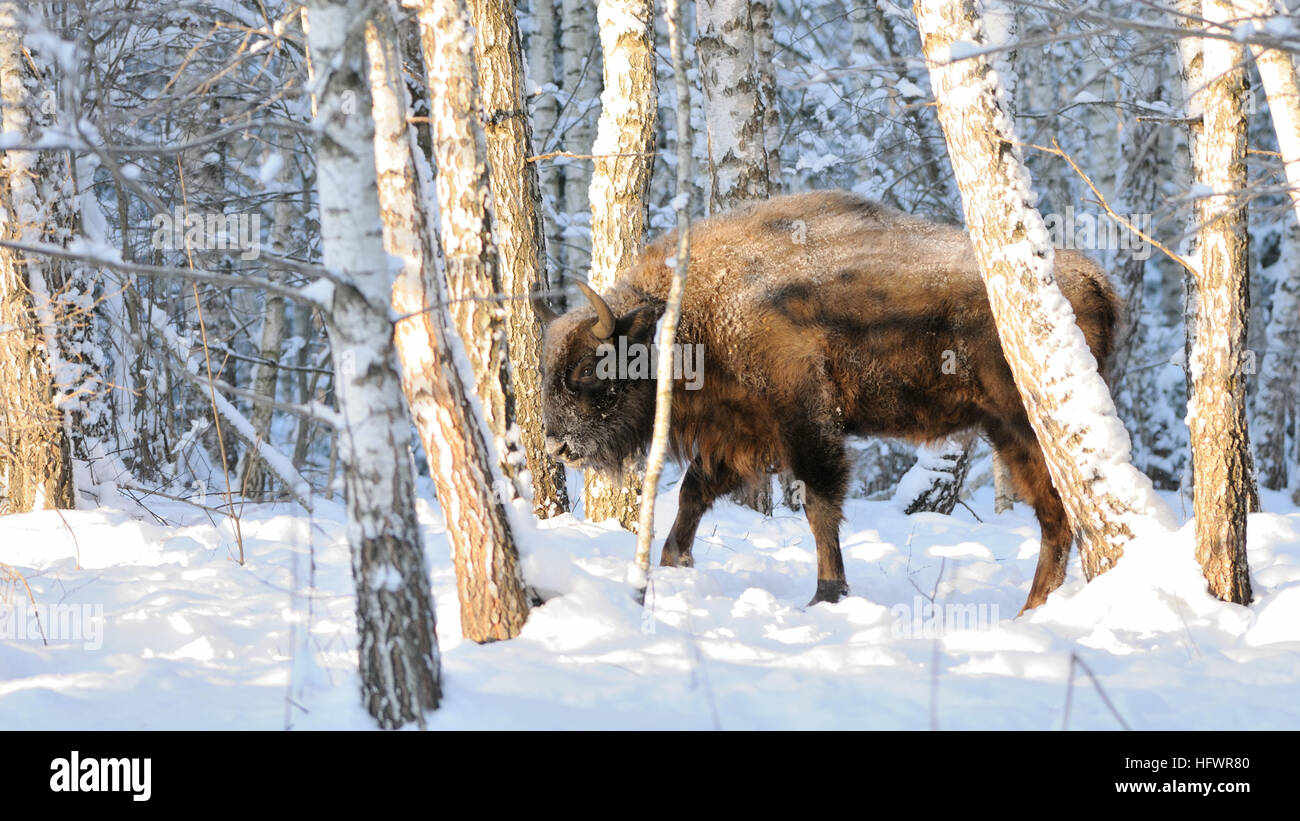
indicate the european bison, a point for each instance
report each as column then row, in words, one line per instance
column 821, row 315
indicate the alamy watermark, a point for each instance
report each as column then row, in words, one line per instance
column 1097, row 232
column 180, row 231
column 54, row 623
column 924, row 619
column 635, row 360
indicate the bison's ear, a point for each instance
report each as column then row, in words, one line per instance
column 638, row 325
column 540, row 307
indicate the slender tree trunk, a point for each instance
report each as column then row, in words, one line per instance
column 581, row 69
column 1191, row 62
column 1275, row 401
column 620, row 186
column 516, row 199
column 1277, row 70
column 1105, row 498
column 1217, row 407
column 760, row 12
column 35, row 462
column 395, row 616
column 1279, row 371
column 492, row 601
column 673, row 306
column 253, row 477
column 546, row 109
column 1140, row 187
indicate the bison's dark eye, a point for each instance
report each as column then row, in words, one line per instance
column 583, row 375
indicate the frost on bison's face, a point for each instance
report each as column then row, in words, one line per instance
column 593, row 418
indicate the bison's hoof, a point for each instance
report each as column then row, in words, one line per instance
column 675, row 559
column 829, row 590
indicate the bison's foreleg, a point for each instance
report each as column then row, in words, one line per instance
column 698, row 492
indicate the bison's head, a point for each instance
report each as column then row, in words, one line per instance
column 595, row 408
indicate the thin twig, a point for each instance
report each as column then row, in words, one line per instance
column 1058, row 151
column 1069, row 692
column 14, row 574
column 212, row 391
column 570, row 155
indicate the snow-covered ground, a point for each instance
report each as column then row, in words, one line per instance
column 190, row 639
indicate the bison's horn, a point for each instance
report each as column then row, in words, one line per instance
column 604, row 327
column 540, row 306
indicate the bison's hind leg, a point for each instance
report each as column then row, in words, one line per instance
column 815, row 455
column 1018, row 447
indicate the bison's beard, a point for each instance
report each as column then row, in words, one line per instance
column 606, row 444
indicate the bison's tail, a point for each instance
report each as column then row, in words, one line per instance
column 1108, row 309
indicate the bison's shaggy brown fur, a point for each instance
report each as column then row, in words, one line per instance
column 821, row 315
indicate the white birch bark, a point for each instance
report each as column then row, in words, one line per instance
column 733, row 104
column 760, row 13
column 1086, row 447
column 581, row 74
column 546, row 107
column 1188, row 13
column 620, row 184
column 1277, row 70
column 395, row 616
column 1216, row 413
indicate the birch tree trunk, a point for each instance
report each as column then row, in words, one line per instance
column 581, row 71
column 733, row 103
column 1140, row 187
column 473, row 267
column 35, row 462
column 1084, row 444
column 620, row 186
column 253, row 477
column 760, row 13
column 498, row 53
column 395, row 616
column 546, row 109
column 1217, row 406
column 488, row 580
column 1275, row 401
column 1276, row 396
column 1277, row 70
column 735, row 91
column 1191, row 63
column 673, row 306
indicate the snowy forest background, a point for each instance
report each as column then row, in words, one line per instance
column 199, row 421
